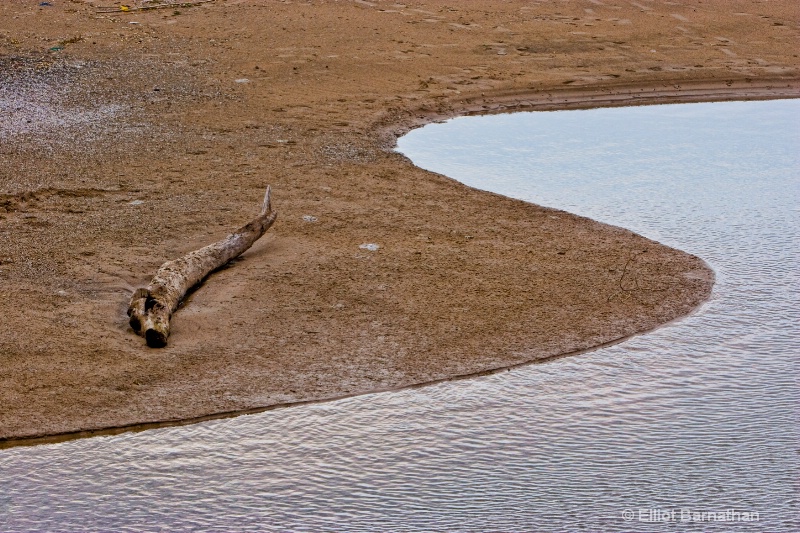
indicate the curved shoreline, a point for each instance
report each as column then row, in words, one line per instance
column 55, row 438
column 595, row 97
column 132, row 144
column 601, row 96
column 587, row 99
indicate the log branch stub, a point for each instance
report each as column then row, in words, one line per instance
column 151, row 307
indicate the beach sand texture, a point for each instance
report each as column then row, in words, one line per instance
column 128, row 139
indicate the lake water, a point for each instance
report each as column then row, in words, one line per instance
column 700, row 416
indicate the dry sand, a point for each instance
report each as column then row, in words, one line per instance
column 129, row 139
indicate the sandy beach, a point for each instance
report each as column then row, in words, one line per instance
column 130, row 138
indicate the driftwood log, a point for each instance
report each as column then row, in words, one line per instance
column 151, row 307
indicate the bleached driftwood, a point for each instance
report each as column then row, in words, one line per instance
column 151, row 307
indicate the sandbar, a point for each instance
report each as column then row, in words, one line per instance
column 127, row 139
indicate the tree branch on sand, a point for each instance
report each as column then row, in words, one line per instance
column 152, row 307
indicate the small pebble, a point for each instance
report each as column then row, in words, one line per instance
column 136, row 202
column 370, row 246
column 309, row 218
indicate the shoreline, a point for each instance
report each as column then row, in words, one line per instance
column 118, row 156
column 55, row 438
column 605, row 97
column 661, row 92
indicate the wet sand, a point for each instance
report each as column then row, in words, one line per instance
column 125, row 145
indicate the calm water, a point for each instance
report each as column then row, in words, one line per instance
column 701, row 415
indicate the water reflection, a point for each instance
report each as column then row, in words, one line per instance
column 700, row 415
